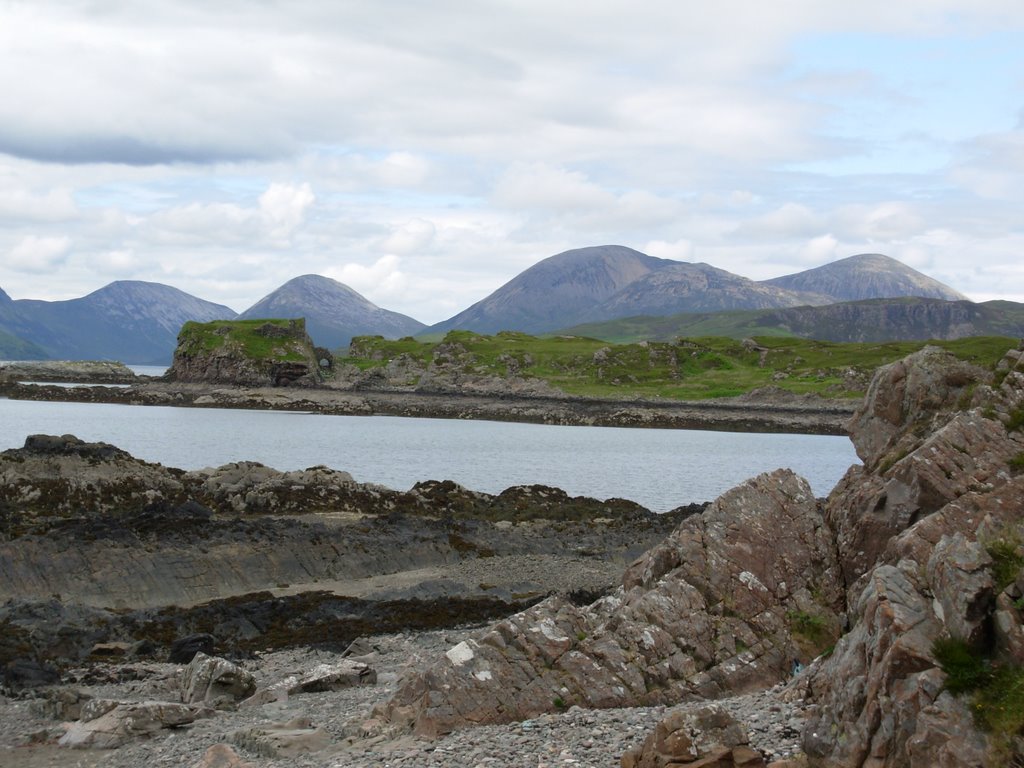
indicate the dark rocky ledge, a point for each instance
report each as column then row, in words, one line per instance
column 766, row 412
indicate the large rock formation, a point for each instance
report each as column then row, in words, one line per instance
column 247, row 352
column 723, row 605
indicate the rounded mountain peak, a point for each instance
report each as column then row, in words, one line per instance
column 867, row 276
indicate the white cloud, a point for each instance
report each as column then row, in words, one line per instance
column 821, row 250
column 381, row 278
column 882, row 222
column 790, row 220
column 27, row 205
column 410, row 237
column 537, row 186
column 119, row 264
column 37, row 254
column 680, row 250
column 283, row 208
column 183, row 142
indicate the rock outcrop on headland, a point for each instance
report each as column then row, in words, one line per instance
column 246, row 353
column 906, row 552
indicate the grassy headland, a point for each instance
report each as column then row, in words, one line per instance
column 684, row 369
column 255, row 339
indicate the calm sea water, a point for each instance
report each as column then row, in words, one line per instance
column 659, row 469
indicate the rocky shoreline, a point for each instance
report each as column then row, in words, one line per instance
column 757, row 412
column 882, row 626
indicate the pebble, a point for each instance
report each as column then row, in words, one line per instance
column 577, row 737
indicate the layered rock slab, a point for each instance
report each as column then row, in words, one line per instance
column 709, row 611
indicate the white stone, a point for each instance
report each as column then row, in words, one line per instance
column 460, row 654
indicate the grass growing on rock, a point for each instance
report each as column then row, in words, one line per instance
column 258, row 339
column 684, row 369
column 1007, row 560
column 996, row 689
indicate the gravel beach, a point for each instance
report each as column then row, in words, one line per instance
column 576, row 737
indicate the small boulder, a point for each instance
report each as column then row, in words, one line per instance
column 216, row 682
column 63, row 703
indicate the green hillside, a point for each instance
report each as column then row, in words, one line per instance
column 686, row 369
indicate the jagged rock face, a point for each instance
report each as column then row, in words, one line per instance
column 913, row 539
column 919, row 451
column 709, row 611
column 906, row 398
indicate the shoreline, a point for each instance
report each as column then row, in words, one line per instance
column 771, row 414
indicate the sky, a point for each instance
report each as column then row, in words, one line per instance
column 426, row 153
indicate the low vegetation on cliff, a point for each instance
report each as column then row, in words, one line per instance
column 685, row 369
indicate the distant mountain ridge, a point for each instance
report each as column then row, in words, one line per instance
column 699, row 288
column 138, row 322
column 866, row 276
column 334, row 312
column 612, row 281
column 128, row 320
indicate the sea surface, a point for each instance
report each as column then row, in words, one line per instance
column 658, row 468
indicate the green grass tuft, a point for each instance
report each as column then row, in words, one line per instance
column 966, row 669
column 1016, row 420
column 996, row 689
column 1007, row 560
column 1017, row 462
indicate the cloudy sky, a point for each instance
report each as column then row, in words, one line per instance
column 425, row 153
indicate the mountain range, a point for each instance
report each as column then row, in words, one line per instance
column 138, row 322
column 606, row 282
